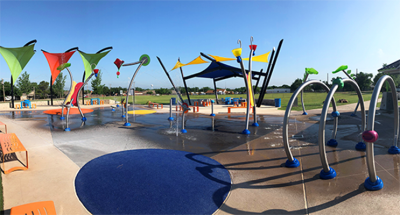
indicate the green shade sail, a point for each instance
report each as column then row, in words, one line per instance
column 309, row 71
column 341, row 68
column 17, row 58
column 91, row 59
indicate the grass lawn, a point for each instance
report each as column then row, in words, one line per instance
column 312, row 100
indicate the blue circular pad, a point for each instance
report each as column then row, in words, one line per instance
column 152, row 181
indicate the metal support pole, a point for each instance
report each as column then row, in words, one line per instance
column 170, row 118
column 183, row 121
column 250, row 77
column 83, row 89
column 51, row 89
column 12, row 92
column 176, row 90
column 184, row 82
column 70, row 88
column 215, row 91
column 212, row 108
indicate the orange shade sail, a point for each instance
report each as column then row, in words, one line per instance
column 55, row 60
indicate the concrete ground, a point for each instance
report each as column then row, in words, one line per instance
column 260, row 182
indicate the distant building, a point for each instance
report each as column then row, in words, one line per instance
column 221, row 91
column 210, row 92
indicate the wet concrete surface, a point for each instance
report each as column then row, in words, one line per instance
column 261, row 183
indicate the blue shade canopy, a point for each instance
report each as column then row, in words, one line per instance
column 218, row 70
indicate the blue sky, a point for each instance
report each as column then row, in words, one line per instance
column 318, row 34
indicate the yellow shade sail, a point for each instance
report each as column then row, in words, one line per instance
column 260, row 58
column 177, row 65
column 198, row 60
column 219, row 59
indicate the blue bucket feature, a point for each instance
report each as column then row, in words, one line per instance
column 277, row 102
column 173, row 101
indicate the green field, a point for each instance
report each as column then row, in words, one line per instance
column 312, row 100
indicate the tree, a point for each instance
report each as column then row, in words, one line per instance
column 364, row 80
column 296, row 84
column 96, row 84
column 377, row 77
column 205, row 89
column 59, row 84
column 24, row 84
column 149, row 92
column 42, row 89
column 7, row 90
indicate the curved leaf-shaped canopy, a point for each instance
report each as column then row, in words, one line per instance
column 17, row 58
column 55, row 60
column 91, row 59
column 341, row 68
column 311, row 71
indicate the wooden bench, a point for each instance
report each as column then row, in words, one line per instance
column 9, row 145
column 151, row 103
column 5, row 126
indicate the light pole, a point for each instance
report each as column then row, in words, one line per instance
column 4, row 94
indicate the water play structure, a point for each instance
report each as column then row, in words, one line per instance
column 55, row 60
column 219, row 71
column 72, row 98
column 144, row 60
column 247, row 80
column 16, row 59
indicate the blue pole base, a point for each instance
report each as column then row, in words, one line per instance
column 255, row 124
column 117, row 105
column 62, row 117
column 123, row 116
column 127, row 124
column 377, row 185
column 327, row 175
column 84, row 119
column 361, row 146
column 305, row 113
column 113, row 110
column 212, row 114
column 245, row 131
column 171, row 118
column 292, row 164
column 67, row 129
column 184, row 131
column 394, row 150
column 332, row 143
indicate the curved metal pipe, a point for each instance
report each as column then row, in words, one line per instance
column 70, row 88
column 322, row 123
column 251, row 86
column 248, row 95
column 302, row 102
column 289, row 108
column 130, row 85
column 371, row 121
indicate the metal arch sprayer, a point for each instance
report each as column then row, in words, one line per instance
column 144, row 60
column 328, row 172
column 373, row 182
column 291, row 161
